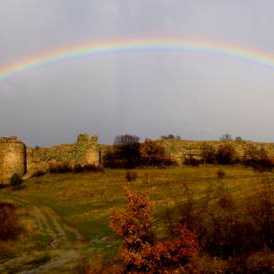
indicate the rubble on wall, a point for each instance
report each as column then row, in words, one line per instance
column 12, row 139
column 85, row 150
column 179, row 150
column 14, row 156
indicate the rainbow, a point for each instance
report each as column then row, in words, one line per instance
column 129, row 45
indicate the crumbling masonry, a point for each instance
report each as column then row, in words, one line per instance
column 15, row 157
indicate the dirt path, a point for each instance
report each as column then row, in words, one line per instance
column 65, row 242
column 56, row 263
column 40, row 261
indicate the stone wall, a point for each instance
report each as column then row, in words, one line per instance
column 16, row 158
column 84, row 151
column 179, row 150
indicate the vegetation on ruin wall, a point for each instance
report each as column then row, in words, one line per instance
column 12, row 139
column 175, row 148
column 174, row 151
column 64, row 153
column 59, row 153
column 181, row 149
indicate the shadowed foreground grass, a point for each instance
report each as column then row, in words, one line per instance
column 73, row 209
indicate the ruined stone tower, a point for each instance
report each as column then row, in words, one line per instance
column 89, row 143
column 12, row 158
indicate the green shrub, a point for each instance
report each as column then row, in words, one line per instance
column 16, row 181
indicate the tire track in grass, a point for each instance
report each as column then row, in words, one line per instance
column 49, row 221
column 50, row 260
column 50, row 225
column 58, row 221
column 38, row 215
column 54, row 221
column 55, row 264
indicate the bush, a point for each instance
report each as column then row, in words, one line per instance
column 16, row 181
column 141, row 251
column 221, row 174
column 65, row 167
column 225, row 234
column 257, row 157
column 60, row 167
column 169, row 137
column 226, row 137
column 7, row 249
column 130, row 176
column 9, row 228
column 192, row 161
column 78, row 168
column 111, row 159
column 127, row 152
column 209, row 153
column 238, row 139
column 261, row 262
column 99, row 266
column 152, row 154
column 38, row 173
column 54, row 167
column 214, row 265
column 223, row 229
column 261, row 210
column 90, row 167
column 226, row 154
column 127, row 148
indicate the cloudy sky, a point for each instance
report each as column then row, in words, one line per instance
column 192, row 94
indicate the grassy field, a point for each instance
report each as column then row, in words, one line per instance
column 66, row 215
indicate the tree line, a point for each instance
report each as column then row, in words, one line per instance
column 128, row 152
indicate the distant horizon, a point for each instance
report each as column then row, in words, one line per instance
column 142, row 139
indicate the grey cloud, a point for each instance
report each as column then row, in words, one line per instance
column 195, row 95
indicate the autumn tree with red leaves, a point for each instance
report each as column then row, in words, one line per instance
column 141, row 251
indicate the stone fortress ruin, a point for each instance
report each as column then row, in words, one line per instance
column 16, row 157
column 12, row 158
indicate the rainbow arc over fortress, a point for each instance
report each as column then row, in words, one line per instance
column 139, row 44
